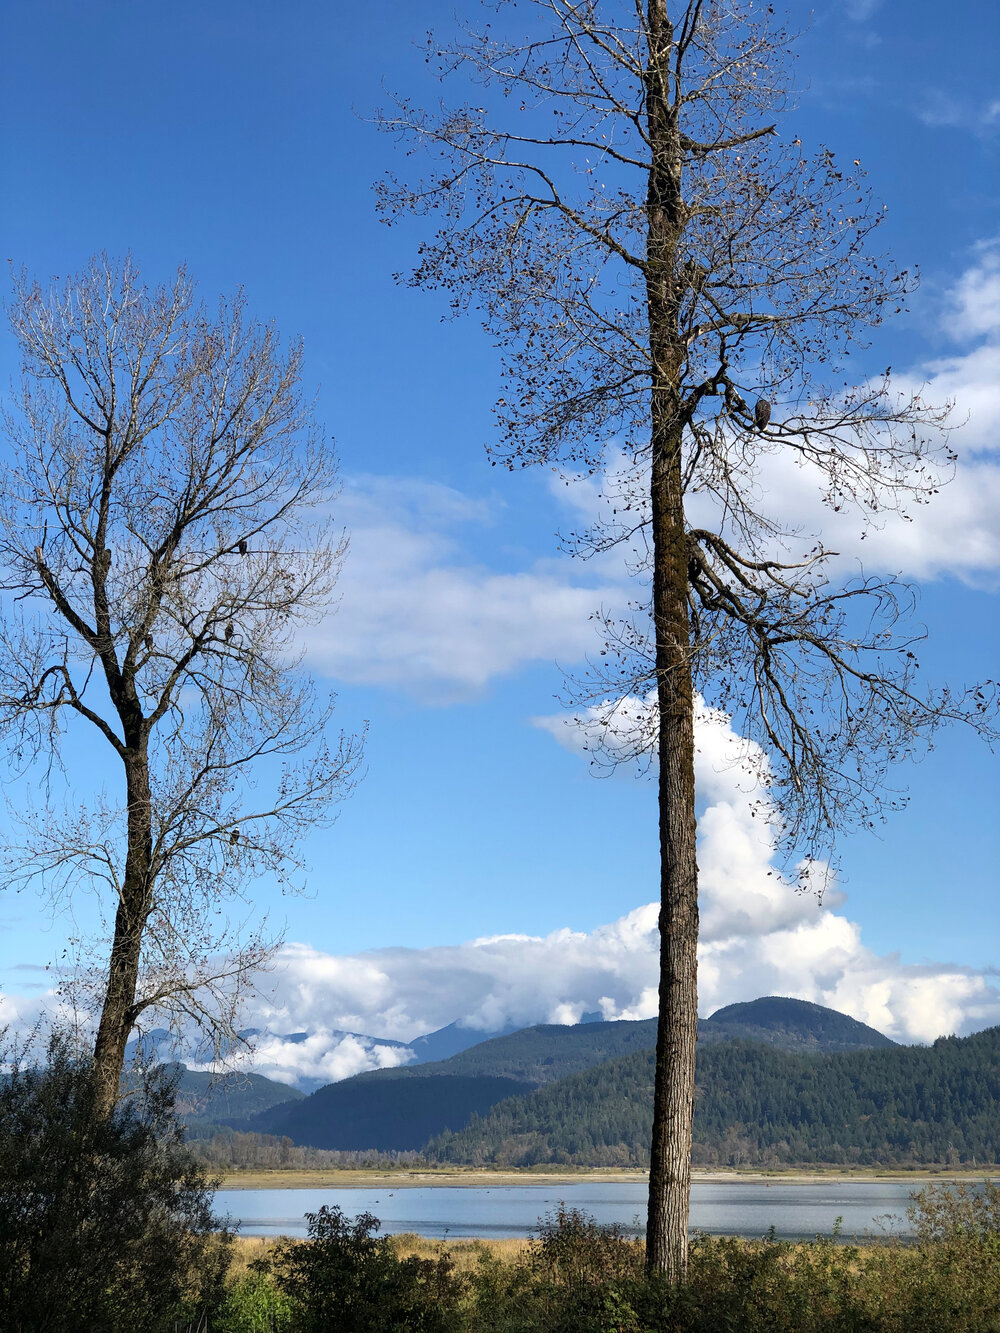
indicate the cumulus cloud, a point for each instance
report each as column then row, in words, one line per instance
column 761, row 935
column 743, row 896
column 416, row 612
column 312, row 1059
column 484, row 984
column 954, row 535
column 973, row 307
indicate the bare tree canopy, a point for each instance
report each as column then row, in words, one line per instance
column 164, row 533
column 667, row 274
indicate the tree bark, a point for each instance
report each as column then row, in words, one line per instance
column 118, row 1010
column 673, row 1096
column 677, row 1030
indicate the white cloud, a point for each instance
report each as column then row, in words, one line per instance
column 955, row 535
column 37, row 1009
column 742, row 893
column 484, row 984
column 974, row 300
column 942, row 110
column 760, row 935
column 320, row 1056
column 416, row 613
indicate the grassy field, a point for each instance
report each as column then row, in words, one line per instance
column 464, row 1254
column 469, row 1178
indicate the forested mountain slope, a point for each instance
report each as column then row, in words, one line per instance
column 402, row 1108
column 390, row 1115
column 547, row 1052
column 791, row 1025
column 759, row 1105
column 209, row 1097
column 376, row 1109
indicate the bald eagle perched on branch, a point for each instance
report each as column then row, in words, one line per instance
column 762, row 413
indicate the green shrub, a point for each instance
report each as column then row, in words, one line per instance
column 580, row 1277
column 105, row 1222
column 957, row 1214
column 573, row 1250
column 345, row 1278
column 254, row 1304
column 502, row 1297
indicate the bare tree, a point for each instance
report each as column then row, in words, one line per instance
column 163, row 534
column 666, row 272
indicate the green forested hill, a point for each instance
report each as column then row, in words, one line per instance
column 791, row 1025
column 758, row 1105
column 208, row 1097
column 390, row 1115
column 374, row 1110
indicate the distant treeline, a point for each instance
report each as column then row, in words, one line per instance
column 220, row 1148
column 759, row 1106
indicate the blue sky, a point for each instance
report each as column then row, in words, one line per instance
column 234, row 137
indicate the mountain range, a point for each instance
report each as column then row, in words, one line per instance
column 160, row 1045
column 779, row 1082
column 534, row 1055
column 762, row 1106
column 404, row 1107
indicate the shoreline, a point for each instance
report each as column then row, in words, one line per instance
column 477, row 1178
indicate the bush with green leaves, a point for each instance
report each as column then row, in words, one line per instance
column 105, row 1222
column 581, row 1277
column 347, row 1278
column 254, row 1304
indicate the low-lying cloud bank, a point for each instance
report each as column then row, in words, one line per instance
column 761, row 935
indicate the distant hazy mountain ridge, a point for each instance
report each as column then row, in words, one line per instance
column 207, row 1097
column 306, row 1061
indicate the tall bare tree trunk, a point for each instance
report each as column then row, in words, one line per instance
column 736, row 302
column 677, row 1031
column 673, row 1097
column 118, row 1010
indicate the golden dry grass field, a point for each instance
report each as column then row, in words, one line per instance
column 467, row 1178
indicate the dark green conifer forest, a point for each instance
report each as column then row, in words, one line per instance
column 756, row 1105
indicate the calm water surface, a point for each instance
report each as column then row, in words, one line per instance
column 742, row 1208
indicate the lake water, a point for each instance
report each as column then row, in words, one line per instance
column 744, row 1208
